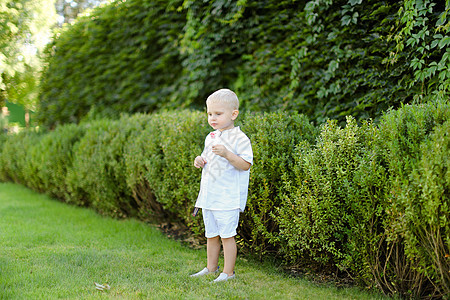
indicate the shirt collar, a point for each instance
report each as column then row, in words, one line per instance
column 224, row 133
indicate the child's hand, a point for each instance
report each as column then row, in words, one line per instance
column 199, row 162
column 220, row 150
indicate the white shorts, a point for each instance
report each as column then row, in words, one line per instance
column 220, row 222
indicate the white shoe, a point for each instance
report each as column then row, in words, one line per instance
column 204, row 272
column 224, row 277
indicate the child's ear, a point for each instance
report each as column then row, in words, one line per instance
column 234, row 114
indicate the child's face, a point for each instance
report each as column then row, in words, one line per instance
column 221, row 116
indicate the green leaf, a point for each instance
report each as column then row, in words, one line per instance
column 416, row 64
column 442, row 18
column 445, row 57
column 431, row 71
column 412, row 41
column 333, row 66
column 346, row 20
column 354, row 2
column 434, row 44
column 444, row 42
column 355, row 18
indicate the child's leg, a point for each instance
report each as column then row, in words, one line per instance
column 213, row 252
column 229, row 253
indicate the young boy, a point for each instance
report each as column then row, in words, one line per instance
column 226, row 161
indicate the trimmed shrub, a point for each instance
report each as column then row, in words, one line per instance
column 160, row 171
column 373, row 200
column 273, row 137
column 51, row 158
column 405, row 265
column 97, row 177
column 330, row 207
column 3, row 126
column 3, row 141
column 14, row 157
column 182, row 136
column 143, row 158
column 428, row 211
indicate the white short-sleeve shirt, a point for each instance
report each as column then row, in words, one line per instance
column 224, row 187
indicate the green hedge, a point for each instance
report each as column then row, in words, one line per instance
column 370, row 200
column 329, row 204
column 51, row 159
column 16, row 160
column 323, row 58
column 159, row 164
column 373, row 200
column 274, row 137
column 97, row 177
column 412, row 142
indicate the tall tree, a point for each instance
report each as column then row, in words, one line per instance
column 25, row 28
column 68, row 10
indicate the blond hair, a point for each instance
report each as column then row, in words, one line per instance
column 224, row 96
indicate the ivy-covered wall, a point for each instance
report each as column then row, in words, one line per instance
column 122, row 57
column 323, row 58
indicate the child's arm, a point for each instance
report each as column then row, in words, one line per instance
column 235, row 160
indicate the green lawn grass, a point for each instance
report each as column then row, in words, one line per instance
column 52, row 250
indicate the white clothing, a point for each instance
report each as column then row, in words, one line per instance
column 220, row 222
column 224, row 187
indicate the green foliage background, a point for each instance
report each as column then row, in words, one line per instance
column 323, row 58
